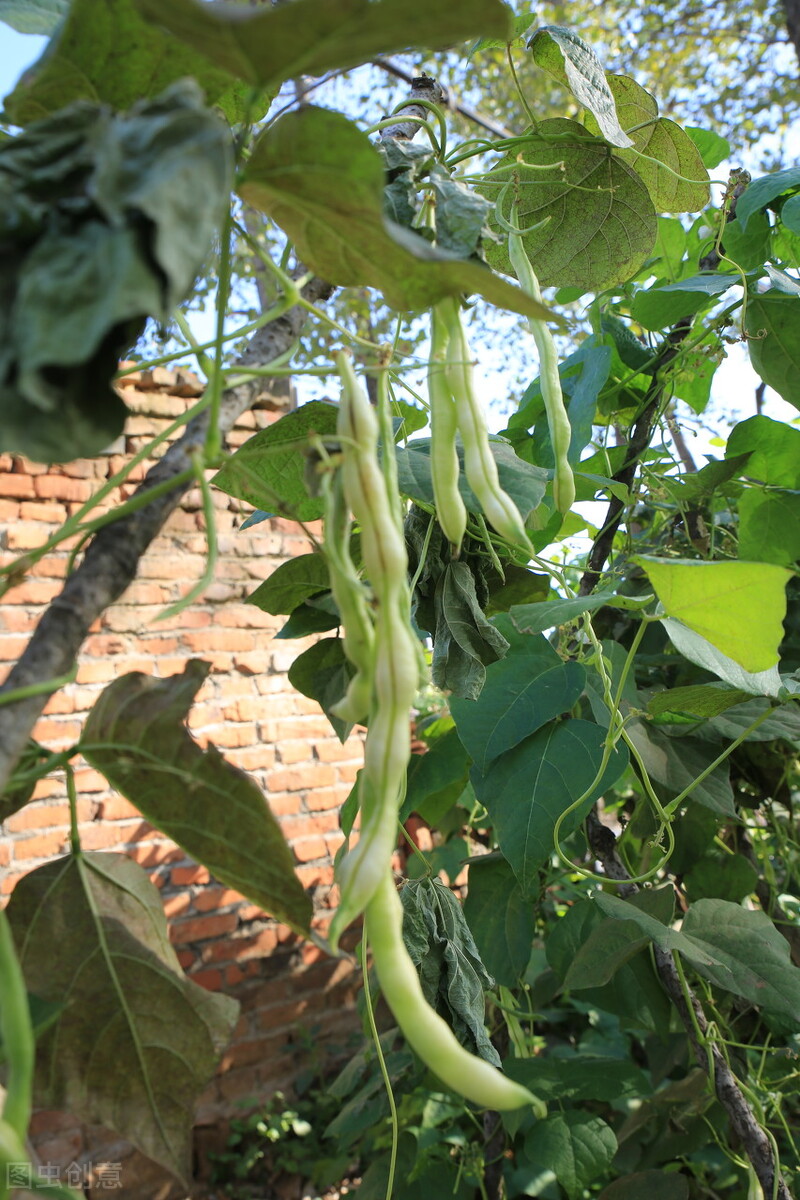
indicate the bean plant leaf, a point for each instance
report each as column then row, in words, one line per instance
column 31, row 767
column 523, row 482
column 677, row 763
column 136, row 737
column 549, row 614
column 698, row 700
column 569, row 59
column 661, row 139
column 591, row 221
column 33, row 16
column 90, row 929
column 701, row 652
column 713, row 148
column 464, row 641
column 721, row 877
column 769, row 526
column 608, row 947
column 576, row 1146
column 648, row 1185
column 83, row 62
column 773, row 450
column 266, row 46
column 527, row 789
column 451, row 972
column 569, row 1080
column 522, row 692
column 502, row 921
column 658, row 307
column 773, row 328
column 106, row 221
column 737, row 606
column 323, row 673
column 271, row 468
column 291, row 583
column 761, row 192
column 321, row 179
column 436, row 779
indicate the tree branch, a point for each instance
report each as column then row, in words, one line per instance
column 112, row 558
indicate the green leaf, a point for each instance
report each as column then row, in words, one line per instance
column 322, row 180
column 311, row 618
column 106, row 220
column 761, row 192
column 436, row 779
column 83, row 63
column 773, row 328
column 527, row 789
column 785, row 723
column 502, row 921
column 291, row 583
column 701, row 652
column 521, row 693
column 443, row 950
column 575, row 1146
column 769, row 526
column 721, row 876
column 596, row 221
column 675, row 764
column 519, row 27
column 524, row 483
column 519, row 586
column 90, row 930
column 750, row 247
column 30, row 768
column 580, row 1077
column 270, row 468
column 699, row 700
column 33, row 16
column 790, row 214
column 660, row 307
column 265, row 47
column 713, row 148
column 464, row 642
column 773, row 448
column 737, row 606
column 549, row 614
column 323, row 673
column 663, row 140
column 609, row 946
column 651, row 1185
column 754, row 957
column 567, row 58
column 135, row 735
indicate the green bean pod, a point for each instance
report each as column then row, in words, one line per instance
column 451, row 512
column 557, row 419
column 425, row 1031
column 480, row 467
column 396, row 657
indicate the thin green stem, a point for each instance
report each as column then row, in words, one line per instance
column 674, row 804
column 387, row 1083
column 17, row 1034
column 72, row 796
column 211, row 541
column 38, row 689
column 216, row 380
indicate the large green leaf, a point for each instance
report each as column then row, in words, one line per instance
column 675, row 764
column 523, row 482
column 596, row 221
column 135, row 1041
column 106, row 221
column 576, row 1146
column 660, row 307
column 697, row 700
column 761, row 192
column 701, row 652
column 136, row 736
column 769, row 526
column 773, row 331
column 663, row 140
column 548, row 614
column 87, row 57
column 502, row 921
column 268, row 45
column 527, row 789
column 772, row 447
column 269, row 470
column 323, row 673
column 580, row 1077
column 522, row 692
column 737, row 606
column 291, row 583
column 436, row 779
column 322, row 180
column 569, row 59
column 33, row 16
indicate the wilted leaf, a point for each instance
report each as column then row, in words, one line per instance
column 596, row 221
column 322, row 180
column 464, row 641
column 136, row 736
column 738, row 606
column 90, row 930
column 564, row 55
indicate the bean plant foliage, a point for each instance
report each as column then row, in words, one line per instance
column 606, row 709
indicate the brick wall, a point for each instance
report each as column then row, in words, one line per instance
column 246, row 707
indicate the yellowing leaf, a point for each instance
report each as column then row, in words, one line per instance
column 737, row 606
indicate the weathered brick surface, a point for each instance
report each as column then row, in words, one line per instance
column 246, row 707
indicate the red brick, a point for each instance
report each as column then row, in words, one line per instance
column 33, row 591
column 240, row 949
column 251, row 758
column 294, row 751
column 38, row 816
column 156, row 855
column 96, row 672
column 210, row 980
column 61, row 487
column 217, row 897
column 56, row 514
column 331, row 750
column 218, row 639
column 148, row 593
column 17, row 485
column 17, row 620
column 5, row 853
column 308, row 848
column 323, row 798
column 86, row 468
column 42, row 845
column 232, row 735
column 315, row 876
column 255, row 663
column 177, row 905
column 9, row 510
column 300, row 778
column 117, row 808
column 99, row 836
column 11, row 647
column 89, row 780
column 202, row 929
column 186, row 958
column 49, row 731
column 105, row 645
column 183, row 876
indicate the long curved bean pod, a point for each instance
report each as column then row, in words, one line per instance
column 480, row 467
column 426, row 1032
column 451, row 512
column 557, row 419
